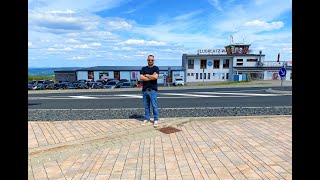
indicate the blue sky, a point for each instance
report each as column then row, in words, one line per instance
column 85, row 33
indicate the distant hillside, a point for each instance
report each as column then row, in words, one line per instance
column 47, row 71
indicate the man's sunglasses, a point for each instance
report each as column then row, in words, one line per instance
column 150, row 60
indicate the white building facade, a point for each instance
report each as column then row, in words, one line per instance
column 209, row 67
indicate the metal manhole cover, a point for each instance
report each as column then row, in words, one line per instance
column 169, row 130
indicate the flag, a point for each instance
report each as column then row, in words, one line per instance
column 278, row 60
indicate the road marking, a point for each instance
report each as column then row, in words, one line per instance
column 82, row 97
column 130, row 95
column 163, row 95
column 244, row 94
column 182, row 94
column 186, row 108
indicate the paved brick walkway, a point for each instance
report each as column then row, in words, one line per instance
column 205, row 148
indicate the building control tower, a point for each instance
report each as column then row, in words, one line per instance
column 238, row 48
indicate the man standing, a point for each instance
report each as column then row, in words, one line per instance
column 149, row 75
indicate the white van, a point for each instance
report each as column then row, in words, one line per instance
column 179, row 82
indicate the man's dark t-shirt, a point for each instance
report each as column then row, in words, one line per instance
column 152, row 84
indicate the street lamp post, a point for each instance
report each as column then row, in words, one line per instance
column 203, row 75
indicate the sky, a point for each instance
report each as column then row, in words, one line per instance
column 87, row 33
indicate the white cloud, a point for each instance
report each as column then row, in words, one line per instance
column 122, row 48
column 266, row 10
column 71, row 41
column 51, row 49
column 187, row 16
column 86, row 46
column 63, row 29
column 51, row 21
column 71, row 5
column 77, row 57
column 264, row 25
column 156, row 43
column 58, row 45
column 139, row 55
column 117, row 24
column 216, row 4
column 62, row 12
column 67, row 49
column 133, row 41
column 81, row 46
column 73, row 34
column 143, row 42
column 289, row 50
column 95, row 44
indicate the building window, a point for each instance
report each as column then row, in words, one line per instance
column 200, row 75
column 227, row 76
column 226, row 64
column 216, row 64
column 203, row 64
column 204, row 75
column 239, row 62
column 190, row 64
column 208, row 75
column 212, row 74
column 252, row 60
column 196, row 75
column 222, row 75
column 192, row 74
column 188, row 74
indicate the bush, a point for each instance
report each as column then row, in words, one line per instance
column 30, row 78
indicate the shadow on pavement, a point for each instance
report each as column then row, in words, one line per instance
column 138, row 117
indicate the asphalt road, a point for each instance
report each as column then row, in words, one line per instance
column 183, row 98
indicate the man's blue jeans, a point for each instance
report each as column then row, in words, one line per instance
column 150, row 96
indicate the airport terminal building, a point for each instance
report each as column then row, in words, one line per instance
column 131, row 73
column 234, row 62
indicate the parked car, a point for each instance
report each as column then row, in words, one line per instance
column 126, row 85
column 32, row 84
column 112, row 84
column 110, row 79
column 61, row 85
column 90, row 82
column 104, row 82
column 71, row 86
column 97, row 85
column 124, row 80
column 82, row 85
column 49, row 83
column 179, row 82
column 40, row 86
column 139, row 84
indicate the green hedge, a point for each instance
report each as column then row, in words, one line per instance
column 30, row 78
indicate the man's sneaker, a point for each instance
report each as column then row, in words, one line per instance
column 155, row 124
column 145, row 122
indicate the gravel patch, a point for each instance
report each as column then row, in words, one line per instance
column 70, row 114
